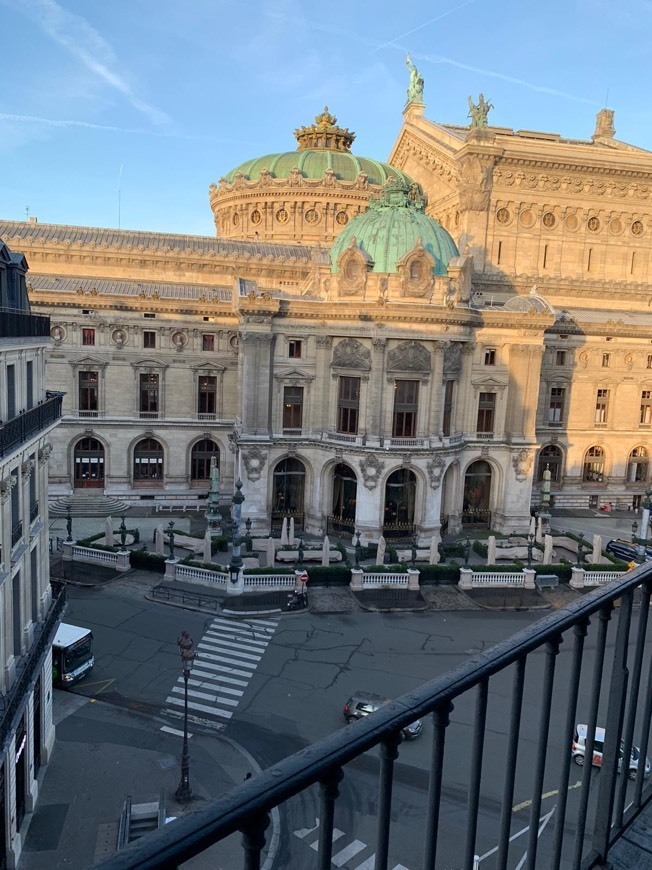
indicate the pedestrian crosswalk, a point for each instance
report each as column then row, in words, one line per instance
column 343, row 855
column 227, row 656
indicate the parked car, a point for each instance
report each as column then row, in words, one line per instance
column 579, row 751
column 361, row 704
column 627, row 551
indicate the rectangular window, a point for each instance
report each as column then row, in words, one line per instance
column 149, row 395
column 406, row 399
column 149, row 338
column 606, row 359
column 486, row 412
column 649, row 360
column 292, row 409
column 601, row 407
column 560, row 358
column 208, row 342
column 11, row 392
column 207, row 395
column 88, row 336
column 29, row 372
column 646, row 408
column 294, row 348
column 490, row 357
column 448, row 407
column 348, row 405
column 148, row 316
column 88, row 392
column 556, row 406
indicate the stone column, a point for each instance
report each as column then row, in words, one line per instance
column 465, row 410
column 376, row 390
column 257, row 365
column 321, row 409
column 524, row 384
column 436, row 416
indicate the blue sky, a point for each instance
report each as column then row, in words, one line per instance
column 157, row 98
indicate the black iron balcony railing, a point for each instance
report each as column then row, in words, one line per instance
column 16, row 532
column 23, row 427
column 483, row 733
column 17, row 324
column 28, row 664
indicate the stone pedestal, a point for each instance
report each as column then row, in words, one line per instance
column 171, row 568
column 529, row 574
column 465, row 578
column 67, row 550
column 236, row 588
column 413, row 579
column 123, row 561
column 577, row 578
column 356, row 579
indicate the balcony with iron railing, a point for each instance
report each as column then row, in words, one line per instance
column 19, row 324
column 16, row 533
column 502, row 730
column 27, row 425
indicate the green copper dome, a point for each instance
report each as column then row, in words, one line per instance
column 392, row 226
column 322, row 146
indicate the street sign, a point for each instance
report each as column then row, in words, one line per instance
column 303, row 577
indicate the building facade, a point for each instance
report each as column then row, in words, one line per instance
column 29, row 610
column 396, row 348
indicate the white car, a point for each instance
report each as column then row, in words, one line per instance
column 579, row 751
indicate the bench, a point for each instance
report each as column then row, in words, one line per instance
column 546, row 581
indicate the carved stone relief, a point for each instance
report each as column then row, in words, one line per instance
column 371, row 469
column 522, row 462
column 351, row 354
column 44, row 454
column 254, row 461
column 474, row 183
column 435, row 470
column 453, row 359
column 409, row 356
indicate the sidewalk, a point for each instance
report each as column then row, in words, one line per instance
column 104, row 754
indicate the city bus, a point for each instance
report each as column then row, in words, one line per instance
column 72, row 654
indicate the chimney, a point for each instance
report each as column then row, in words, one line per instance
column 32, row 219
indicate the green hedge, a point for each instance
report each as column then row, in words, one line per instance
column 436, row 575
column 328, row 575
column 147, row 561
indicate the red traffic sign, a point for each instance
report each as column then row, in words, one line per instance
column 303, row 577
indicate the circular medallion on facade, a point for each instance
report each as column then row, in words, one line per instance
column 593, row 224
column 549, row 220
column 282, row 216
column 256, row 216
column 342, row 218
column 615, row 226
column 503, row 216
column 119, row 336
column 351, row 269
column 312, row 216
column 572, row 222
column 58, row 333
column 236, row 219
column 526, row 218
column 233, row 343
column 637, row 228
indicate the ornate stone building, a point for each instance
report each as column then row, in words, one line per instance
column 390, row 347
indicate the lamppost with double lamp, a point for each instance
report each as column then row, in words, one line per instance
column 530, row 546
column 69, row 525
column 235, row 565
column 187, row 651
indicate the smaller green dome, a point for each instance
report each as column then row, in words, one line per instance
column 393, row 225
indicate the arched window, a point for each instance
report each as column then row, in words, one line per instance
column 345, row 493
column 289, row 484
column 400, row 498
column 148, row 462
column 477, row 494
column 89, row 463
column 637, row 466
column 200, row 459
column 593, row 471
column 550, row 457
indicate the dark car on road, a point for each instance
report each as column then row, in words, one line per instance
column 361, row 704
column 627, row 551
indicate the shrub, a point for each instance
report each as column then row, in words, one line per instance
column 147, row 561
column 328, row 575
column 86, row 542
column 435, row 575
column 480, row 548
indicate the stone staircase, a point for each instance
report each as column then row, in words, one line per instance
column 84, row 504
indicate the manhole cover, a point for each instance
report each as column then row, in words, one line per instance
column 166, row 762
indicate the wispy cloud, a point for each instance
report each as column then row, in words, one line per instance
column 83, row 42
column 425, row 24
column 53, row 122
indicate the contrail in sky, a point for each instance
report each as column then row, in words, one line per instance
column 421, row 26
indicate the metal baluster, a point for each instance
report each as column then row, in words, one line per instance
column 628, row 732
column 388, row 754
column 613, row 730
column 580, row 632
column 510, row 762
column 476, row 772
column 328, row 792
column 598, row 667
column 645, row 727
column 440, row 720
column 552, row 649
column 253, row 840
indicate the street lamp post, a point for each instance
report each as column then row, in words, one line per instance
column 170, row 534
column 530, row 546
column 634, row 531
column 580, row 548
column 187, row 652
column 235, row 565
column 69, row 524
